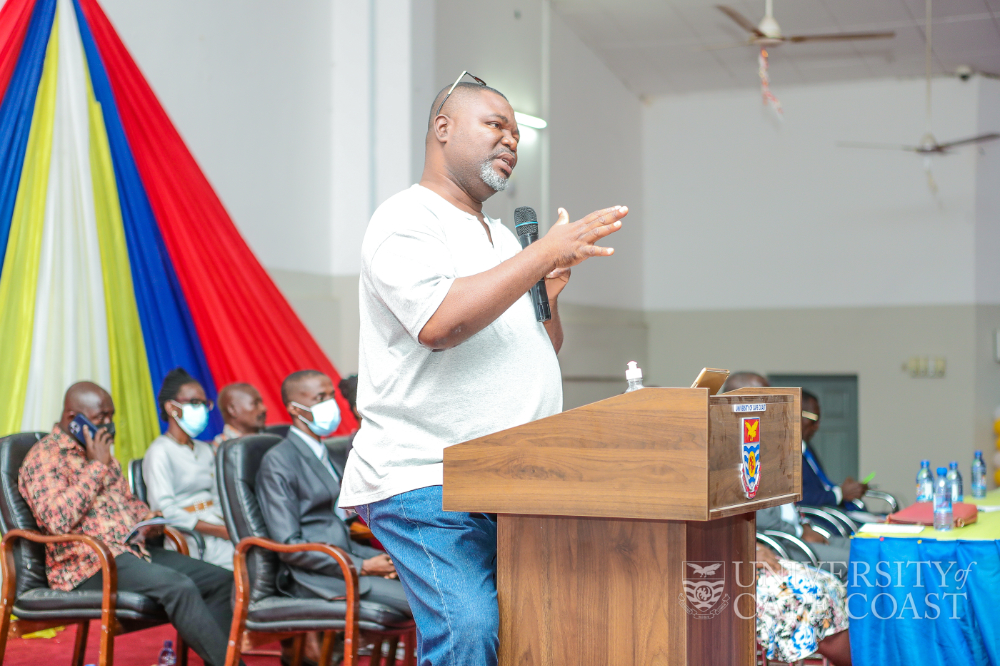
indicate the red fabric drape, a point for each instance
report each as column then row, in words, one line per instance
column 247, row 328
column 14, row 18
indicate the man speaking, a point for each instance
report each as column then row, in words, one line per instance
column 451, row 350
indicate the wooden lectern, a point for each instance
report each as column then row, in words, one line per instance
column 603, row 508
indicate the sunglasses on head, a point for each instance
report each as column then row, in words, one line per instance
column 455, row 84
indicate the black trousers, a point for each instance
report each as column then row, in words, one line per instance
column 196, row 596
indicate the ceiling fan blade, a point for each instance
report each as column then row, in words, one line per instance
column 743, row 21
column 842, row 36
column 722, row 47
column 881, row 146
column 982, row 138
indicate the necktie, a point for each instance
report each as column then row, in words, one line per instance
column 811, row 459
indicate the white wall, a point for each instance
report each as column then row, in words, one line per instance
column 775, row 250
column 988, row 196
column 501, row 43
column 247, row 83
column 748, row 212
column 596, row 146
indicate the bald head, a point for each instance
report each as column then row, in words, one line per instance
column 740, row 380
column 458, row 100
column 242, row 408
column 301, row 383
column 89, row 399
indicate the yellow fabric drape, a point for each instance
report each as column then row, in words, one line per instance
column 136, row 419
column 20, row 275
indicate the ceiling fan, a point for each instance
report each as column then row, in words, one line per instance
column 928, row 145
column 768, row 32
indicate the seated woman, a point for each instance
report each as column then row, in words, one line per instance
column 800, row 611
column 180, row 470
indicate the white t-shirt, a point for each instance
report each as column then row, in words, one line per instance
column 415, row 402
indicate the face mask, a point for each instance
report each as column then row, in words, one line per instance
column 326, row 417
column 193, row 419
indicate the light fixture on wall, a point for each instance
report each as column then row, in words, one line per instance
column 529, row 121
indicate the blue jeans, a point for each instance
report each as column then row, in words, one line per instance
column 447, row 562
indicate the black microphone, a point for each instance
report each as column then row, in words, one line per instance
column 526, row 228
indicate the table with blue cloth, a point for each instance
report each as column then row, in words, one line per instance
column 928, row 598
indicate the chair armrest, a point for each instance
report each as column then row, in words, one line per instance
column 242, row 603
column 822, row 531
column 176, row 534
column 773, row 544
column 797, row 542
column 885, row 497
column 109, row 570
column 829, row 518
column 842, row 517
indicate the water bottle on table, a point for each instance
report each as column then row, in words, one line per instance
column 955, row 482
column 942, row 501
column 925, row 482
column 978, row 476
column 634, row 376
column 167, row 655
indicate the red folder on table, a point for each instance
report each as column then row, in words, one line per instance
column 922, row 513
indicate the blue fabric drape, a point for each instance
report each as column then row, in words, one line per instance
column 167, row 327
column 918, row 601
column 17, row 109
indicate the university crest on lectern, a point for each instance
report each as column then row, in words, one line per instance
column 750, row 469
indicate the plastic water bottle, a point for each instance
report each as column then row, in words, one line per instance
column 942, row 501
column 978, row 475
column 634, row 376
column 925, row 482
column 955, row 482
column 167, row 655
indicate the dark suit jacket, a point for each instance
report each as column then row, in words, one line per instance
column 813, row 491
column 297, row 495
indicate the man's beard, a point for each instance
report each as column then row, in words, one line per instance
column 490, row 176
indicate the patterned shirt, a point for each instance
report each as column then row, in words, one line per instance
column 68, row 493
column 228, row 433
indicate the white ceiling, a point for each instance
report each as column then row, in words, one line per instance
column 657, row 47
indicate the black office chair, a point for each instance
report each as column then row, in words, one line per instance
column 260, row 610
column 26, row 591
column 278, row 430
column 137, row 484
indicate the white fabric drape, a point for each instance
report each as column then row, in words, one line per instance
column 70, row 333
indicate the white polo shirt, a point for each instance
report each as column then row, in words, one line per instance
column 415, row 402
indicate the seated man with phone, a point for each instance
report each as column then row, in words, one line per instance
column 73, row 485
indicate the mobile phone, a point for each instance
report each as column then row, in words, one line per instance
column 712, row 379
column 78, row 425
column 81, row 423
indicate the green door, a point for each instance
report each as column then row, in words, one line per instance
column 836, row 441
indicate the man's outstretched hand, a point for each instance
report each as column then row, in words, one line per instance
column 573, row 242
